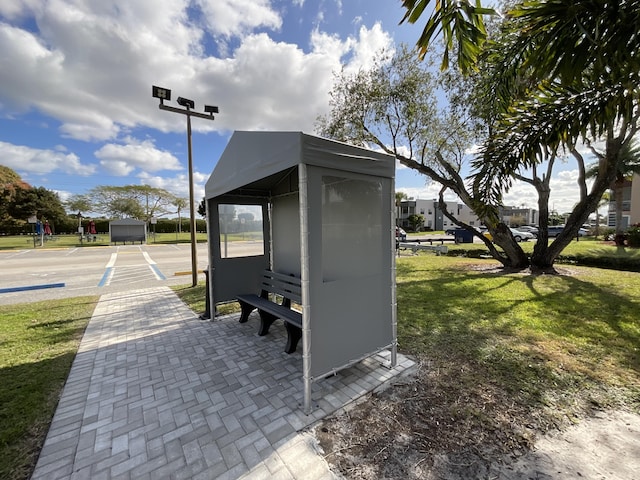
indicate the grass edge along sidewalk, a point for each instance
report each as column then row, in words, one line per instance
column 38, row 342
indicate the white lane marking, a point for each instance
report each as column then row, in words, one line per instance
column 148, row 258
column 154, row 267
column 20, row 252
column 73, row 250
column 112, row 260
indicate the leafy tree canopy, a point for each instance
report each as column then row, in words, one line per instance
column 45, row 204
column 9, row 176
column 556, row 73
column 19, row 201
column 131, row 201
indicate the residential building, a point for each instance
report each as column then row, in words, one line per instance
column 434, row 219
column 630, row 204
column 515, row 216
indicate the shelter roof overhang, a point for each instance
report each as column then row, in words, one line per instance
column 253, row 162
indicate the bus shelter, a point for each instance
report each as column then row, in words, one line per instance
column 319, row 210
column 127, row 230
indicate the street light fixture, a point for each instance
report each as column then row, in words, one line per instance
column 165, row 94
column 185, row 102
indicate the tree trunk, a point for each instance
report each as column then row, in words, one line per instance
column 538, row 256
column 543, row 258
column 512, row 255
column 618, row 188
column 516, row 258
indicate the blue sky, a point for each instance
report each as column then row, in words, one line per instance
column 75, row 84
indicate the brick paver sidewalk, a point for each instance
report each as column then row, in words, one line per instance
column 154, row 392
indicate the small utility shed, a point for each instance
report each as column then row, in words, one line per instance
column 127, row 230
column 324, row 212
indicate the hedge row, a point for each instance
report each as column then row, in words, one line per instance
column 70, row 225
column 601, row 261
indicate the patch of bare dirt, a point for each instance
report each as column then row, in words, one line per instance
column 434, row 426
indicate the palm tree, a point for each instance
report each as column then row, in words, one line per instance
column 560, row 73
column 180, row 204
column 628, row 165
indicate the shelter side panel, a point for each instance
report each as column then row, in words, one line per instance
column 350, row 275
column 350, row 319
column 285, row 225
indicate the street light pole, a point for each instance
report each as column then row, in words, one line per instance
column 192, row 220
column 165, row 94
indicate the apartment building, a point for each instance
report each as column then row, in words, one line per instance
column 434, row 219
column 515, row 216
column 630, row 204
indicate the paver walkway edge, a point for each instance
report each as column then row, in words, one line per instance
column 154, row 392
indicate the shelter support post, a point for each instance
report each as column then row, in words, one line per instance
column 304, row 283
column 209, row 292
column 394, row 299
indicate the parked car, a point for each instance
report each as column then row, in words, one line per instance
column 528, row 228
column 401, row 235
column 520, row 236
column 555, row 230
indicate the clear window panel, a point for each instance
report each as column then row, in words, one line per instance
column 241, row 230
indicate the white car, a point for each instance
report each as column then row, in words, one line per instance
column 520, row 236
column 528, row 228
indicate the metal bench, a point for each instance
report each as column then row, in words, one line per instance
column 275, row 286
column 414, row 247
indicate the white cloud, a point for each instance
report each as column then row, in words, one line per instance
column 276, row 85
column 238, row 17
column 339, row 6
column 32, row 160
column 63, row 195
column 121, row 160
column 178, row 185
column 92, row 63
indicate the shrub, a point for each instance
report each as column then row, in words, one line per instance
column 633, row 238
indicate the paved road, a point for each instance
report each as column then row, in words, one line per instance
column 95, row 270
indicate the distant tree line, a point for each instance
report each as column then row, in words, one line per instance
column 20, row 202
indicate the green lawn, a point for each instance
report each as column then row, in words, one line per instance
column 587, row 251
column 544, row 339
column 38, row 342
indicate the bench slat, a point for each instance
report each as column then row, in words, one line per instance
column 279, row 311
column 285, row 286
